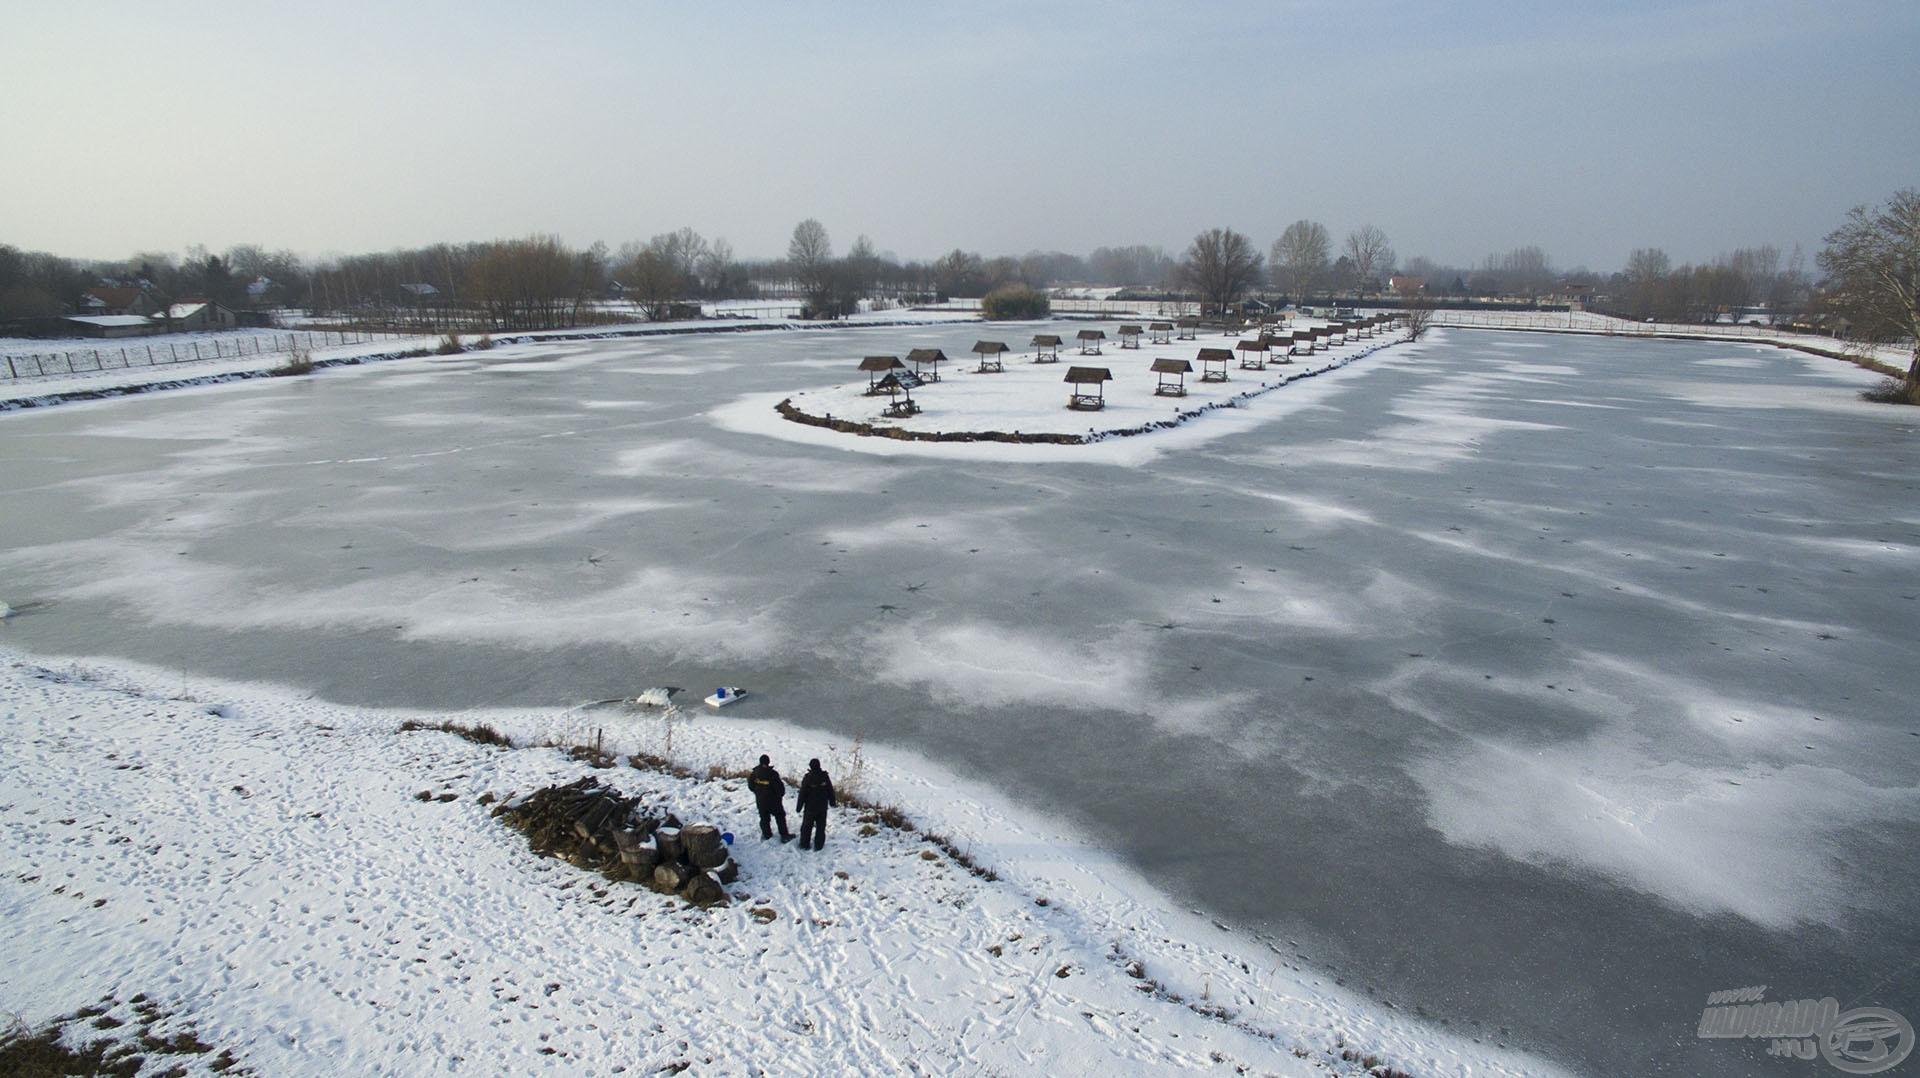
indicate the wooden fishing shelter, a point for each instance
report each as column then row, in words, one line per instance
column 877, row 368
column 1129, row 336
column 1162, row 332
column 1090, row 341
column 1173, row 377
column 990, row 353
column 1189, row 328
column 1213, row 364
column 1253, row 354
column 899, row 396
column 926, row 363
column 1080, row 397
column 1046, row 348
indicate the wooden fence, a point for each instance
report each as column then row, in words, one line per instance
column 155, row 353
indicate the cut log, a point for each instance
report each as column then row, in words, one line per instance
column 703, row 846
column 703, row 890
column 728, row 871
column 670, row 877
column 667, row 841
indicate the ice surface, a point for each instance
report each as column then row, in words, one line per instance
column 1444, row 664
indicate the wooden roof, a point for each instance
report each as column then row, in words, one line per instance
column 1161, row 325
column 1091, row 335
column 1045, row 340
column 1189, row 320
column 986, row 347
column 1253, row 346
column 1215, row 354
column 1172, row 366
column 1129, row 331
column 880, row 363
column 891, row 382
column 1088, row 375
column 926, row 355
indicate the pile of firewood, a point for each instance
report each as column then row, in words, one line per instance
column 599, row 829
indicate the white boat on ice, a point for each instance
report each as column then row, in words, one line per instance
column 725, row 695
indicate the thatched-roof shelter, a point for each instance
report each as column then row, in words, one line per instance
column 1213, row 364
column 927, row 357
column 876, row 367
column 1129, row 336
column 1189, row 326
column 900, row 397
column 1083, row 399
column 1162, row 332
column 1253, row 354
column 989, row 353
column 1173, row 377
column 1046, row 348
column 1090, row 341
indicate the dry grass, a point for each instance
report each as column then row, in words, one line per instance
column 94, row 1041
column 478, row 733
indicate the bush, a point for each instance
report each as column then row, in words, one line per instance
column 1893, row 391
column 298, row 363
column 1015, row 302
column 450, row 345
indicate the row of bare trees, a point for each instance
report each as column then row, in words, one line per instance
column 1222, row 265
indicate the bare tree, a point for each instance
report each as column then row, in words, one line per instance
column 1371, row 255
column 959, row 273
column 810, row 257
column 1301, row 257
column 1221, row 265
column 1417, row 307
column 1873, row 274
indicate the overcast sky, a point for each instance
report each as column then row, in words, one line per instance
column 1462, row 128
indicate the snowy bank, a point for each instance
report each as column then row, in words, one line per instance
column 265, row 868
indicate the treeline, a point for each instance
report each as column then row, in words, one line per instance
column 539, row 282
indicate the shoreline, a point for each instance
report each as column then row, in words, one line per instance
column 217, row 772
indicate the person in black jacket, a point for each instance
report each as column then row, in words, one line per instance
column 813, row 800
column 770, row 793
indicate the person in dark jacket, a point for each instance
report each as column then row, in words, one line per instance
column 813, row 801
column 770, row 793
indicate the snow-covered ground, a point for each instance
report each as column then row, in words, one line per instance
column 307, row 886
column 125, row 367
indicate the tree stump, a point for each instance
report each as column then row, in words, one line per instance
column 703, row 846
column 728, row 871
column 703, row 890
column 667, row 841
column 671, row 876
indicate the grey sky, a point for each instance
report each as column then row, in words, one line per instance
column 1461, row 129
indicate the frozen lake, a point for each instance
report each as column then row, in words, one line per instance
column 1539, row 685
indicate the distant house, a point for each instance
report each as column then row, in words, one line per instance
column 1406, row 284
column 113, row 325
column 197, row 314
column 117, row 301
